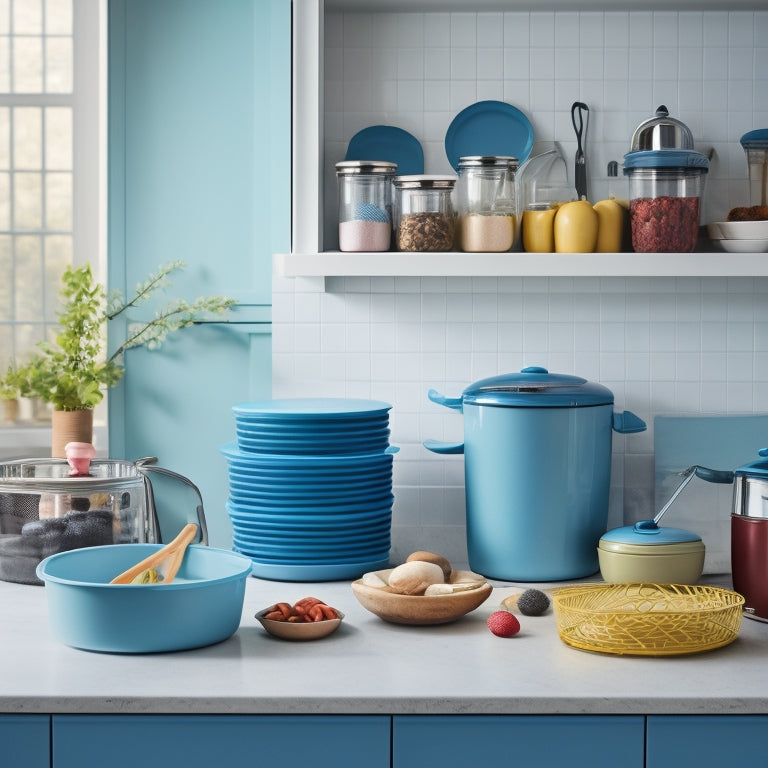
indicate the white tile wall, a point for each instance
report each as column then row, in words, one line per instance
column 695, row 345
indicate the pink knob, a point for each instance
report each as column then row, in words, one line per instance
column 79, row 457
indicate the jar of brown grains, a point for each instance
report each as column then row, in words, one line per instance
column 424, row 214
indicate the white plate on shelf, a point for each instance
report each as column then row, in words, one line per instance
column 738, row 230
column 743, row 245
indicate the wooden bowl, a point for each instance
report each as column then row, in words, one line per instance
column 304, row 630
column 422, row 609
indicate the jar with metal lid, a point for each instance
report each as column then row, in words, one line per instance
column 486, row 208
column 666, row 182
column 424, row 215
column 365, row 204
column 755, row 144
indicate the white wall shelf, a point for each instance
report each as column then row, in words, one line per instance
column 397, row 264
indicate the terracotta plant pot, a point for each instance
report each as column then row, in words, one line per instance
column 70, row 427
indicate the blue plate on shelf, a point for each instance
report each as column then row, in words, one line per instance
column 312, row 409
column 327, row 572
column 489, row 128
column 386, row 142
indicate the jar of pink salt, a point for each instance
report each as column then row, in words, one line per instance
column 365, row 204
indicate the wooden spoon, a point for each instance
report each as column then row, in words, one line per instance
column 148, row 572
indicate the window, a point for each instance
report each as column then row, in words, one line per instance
column 52, row 159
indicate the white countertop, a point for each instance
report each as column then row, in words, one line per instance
column 369, row 666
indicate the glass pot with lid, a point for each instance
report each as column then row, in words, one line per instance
column 486, row 206
column 666, row 183
column 44, row 509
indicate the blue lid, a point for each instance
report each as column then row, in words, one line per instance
column 757, row 468
column 757, row 139
column 647, row 532
column 686, row 159
column 536, row 387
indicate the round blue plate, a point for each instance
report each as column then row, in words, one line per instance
column 386, row 142
column 328, row 572
column 312, row 409
column 489, row 128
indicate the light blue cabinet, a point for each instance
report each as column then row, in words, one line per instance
column 706, row 741
column 208, row 741
column 578, row 741
column 199, row 170
column 25, row 741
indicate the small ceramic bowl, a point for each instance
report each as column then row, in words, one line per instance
column 738, row 230
column 422, row 609
column 635, row 553
column 299, row 630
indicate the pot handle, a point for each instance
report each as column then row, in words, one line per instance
column 448, row 402
column 445, row 448
column 627, row 423
column 714, row 475
column 145, row 466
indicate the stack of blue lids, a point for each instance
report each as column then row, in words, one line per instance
column 310, row 487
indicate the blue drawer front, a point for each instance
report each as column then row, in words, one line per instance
column 208, row 741
column 25, row 741
column 706, row 741
column 576, row 741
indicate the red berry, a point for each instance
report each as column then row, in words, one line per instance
column 503, row 624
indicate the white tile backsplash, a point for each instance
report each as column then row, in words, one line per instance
column 662, row 345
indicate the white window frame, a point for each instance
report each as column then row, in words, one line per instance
column 89, row 193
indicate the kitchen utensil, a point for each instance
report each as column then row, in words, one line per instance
column 661, row 132
column 738, row 230
column 646, row 552
column 44, row 509
column 647, row 619
column 488, row 128
column 755, row 144
column 203, row 605
column 749, row 535
column 422, row 609
column 299, row 630
column 387, row 142
column 580, row 120
column 161, row 566
column 537, row 453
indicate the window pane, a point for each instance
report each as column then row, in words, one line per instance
column 5, row 17
column 27, row 17
column 26, row 337
column 5, row 64
column 6, row 286
column 6, row 347
column 28, row 65
column 27, row 138
column 58, row 17
column 58, row 65
column 58, row 139
column 58, row 201
column 5, row 202
column 58, row 256
column 27, row 200
column 29, row 288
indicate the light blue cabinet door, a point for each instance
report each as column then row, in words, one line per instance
column 551, row 741
column 25, row 741
column 203, row 741
column 706, row 741
column 199, row 163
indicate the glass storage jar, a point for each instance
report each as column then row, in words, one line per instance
column 365, row 204
column 486, row 209
column 755, row 144
column 424, row 215
column 665, row 188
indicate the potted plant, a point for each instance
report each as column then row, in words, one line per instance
column 73, row 371
column 10, row 392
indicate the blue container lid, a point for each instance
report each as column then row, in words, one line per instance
column 757, row 139
column 648, row 533
column 684, row 159
column 537, row 387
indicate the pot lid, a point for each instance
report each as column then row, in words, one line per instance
column 684, row 159
column 536, row 386
column 52, row 476
column 757, row 468
column 661, row 132
column 646, row 534
column 757, row 139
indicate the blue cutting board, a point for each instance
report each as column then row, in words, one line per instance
column 717, row 442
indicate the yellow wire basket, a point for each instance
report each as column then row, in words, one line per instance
column 647, row 619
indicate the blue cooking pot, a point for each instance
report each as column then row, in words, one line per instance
column 537, row 456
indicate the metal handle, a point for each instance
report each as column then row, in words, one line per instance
column 146, row 465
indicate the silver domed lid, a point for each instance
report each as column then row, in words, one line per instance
column 661, row 132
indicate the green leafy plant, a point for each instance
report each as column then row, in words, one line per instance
column 73, row 371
